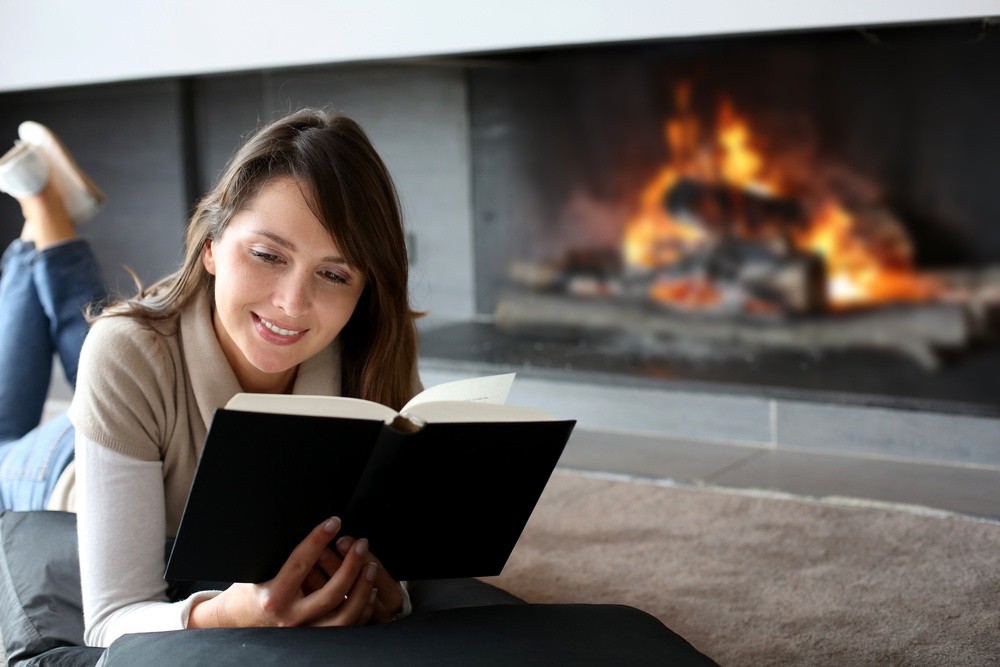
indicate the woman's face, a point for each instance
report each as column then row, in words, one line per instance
column 282, row 289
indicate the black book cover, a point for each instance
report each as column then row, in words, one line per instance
column 449, row 500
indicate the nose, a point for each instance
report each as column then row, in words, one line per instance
column 293, row 293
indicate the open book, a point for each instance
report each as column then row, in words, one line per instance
column 442, row 488
column 479, row 399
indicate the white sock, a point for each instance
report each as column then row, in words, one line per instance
column 23, row 172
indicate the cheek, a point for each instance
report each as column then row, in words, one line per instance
column 239, row 280
column 338, row 311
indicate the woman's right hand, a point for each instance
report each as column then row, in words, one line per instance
column 347, row 598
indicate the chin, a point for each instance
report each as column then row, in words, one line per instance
column 276, row 368
column 269, row 364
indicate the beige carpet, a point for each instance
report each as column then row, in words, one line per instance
column 758, row 580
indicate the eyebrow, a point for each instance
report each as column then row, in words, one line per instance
column 335, row 259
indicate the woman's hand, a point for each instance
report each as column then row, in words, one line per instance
column 292, row 598
column 389, row 599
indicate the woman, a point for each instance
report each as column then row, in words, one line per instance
column 294, row 280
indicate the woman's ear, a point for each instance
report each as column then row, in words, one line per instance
column 208, row 256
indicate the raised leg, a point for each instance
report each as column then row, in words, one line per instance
column 25, row 345
column 67, row 280
column 48, row 277
column 54, row 194
column 31, row 455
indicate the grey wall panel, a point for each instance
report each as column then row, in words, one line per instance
column 156, row 146
column 417, row 118
column 126, row 137
column 225, row 111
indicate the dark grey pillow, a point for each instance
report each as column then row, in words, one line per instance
column 503, row 635
column 40, row 607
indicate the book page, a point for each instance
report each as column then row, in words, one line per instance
column 489, row 389
column 441, row 412
column 312, row 406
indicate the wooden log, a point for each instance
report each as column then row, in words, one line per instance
column 979, row 290
column 796, row 284
column 793, row 283
column 721, row 209
column 916, row 331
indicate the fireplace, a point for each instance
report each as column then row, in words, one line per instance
column 803, row 214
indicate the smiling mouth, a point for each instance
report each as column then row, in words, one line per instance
column 278, row 330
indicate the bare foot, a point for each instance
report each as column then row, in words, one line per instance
column 46, row 221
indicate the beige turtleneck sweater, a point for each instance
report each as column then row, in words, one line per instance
column 151, row 395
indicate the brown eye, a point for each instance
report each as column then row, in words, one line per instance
column 335, row 278
column 265, row 257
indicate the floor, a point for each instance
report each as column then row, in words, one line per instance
column 963, row 489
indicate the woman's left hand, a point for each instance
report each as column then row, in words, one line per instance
column 390, row 593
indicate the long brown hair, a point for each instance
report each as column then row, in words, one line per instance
column 356, row 200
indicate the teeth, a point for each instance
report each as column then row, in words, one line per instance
column 278, row 330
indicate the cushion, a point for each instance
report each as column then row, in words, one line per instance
column 503, row 635
column 40, row 607
column 437, row 594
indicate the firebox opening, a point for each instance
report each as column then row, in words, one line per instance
column 819, row 200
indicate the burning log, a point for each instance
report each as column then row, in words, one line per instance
column 795, row 285
column 581, row 272
column 791, row 282
column 752, row 278
column 724, row 210
column 916, row 331
column 979, row 290
column 747, row 248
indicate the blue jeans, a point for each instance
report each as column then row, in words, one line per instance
column 42, row 297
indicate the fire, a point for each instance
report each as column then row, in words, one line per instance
column 857, row 274
column 741, row 164
column 691, row 292
column 653, row 238
column 862, row 267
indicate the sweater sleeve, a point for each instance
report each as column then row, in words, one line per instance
column 120, row 518
column 125, row 397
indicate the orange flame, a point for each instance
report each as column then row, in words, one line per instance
column 859, row 272
column 856, row 274
column 740, row 162
column 653, row 238
column 694, row 292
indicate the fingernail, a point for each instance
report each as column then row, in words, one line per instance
column 332, row 525
column 372, row 596
column 343, row 544
column 361, row 547
column 324, row 555
column 370, row 571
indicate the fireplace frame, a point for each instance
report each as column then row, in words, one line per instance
column 505, row 166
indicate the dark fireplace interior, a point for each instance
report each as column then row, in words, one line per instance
column 812, row 215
